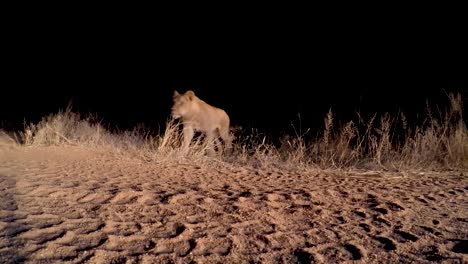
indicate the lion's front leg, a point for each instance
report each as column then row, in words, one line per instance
column 210, row 140
column 227, row 138
column 188, row 135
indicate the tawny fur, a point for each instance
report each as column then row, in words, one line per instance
column 197, row 115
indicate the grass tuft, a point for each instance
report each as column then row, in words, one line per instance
column 381, row 142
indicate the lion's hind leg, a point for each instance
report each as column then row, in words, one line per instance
column 227, row 139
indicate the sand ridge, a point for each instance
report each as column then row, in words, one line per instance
column 77, row 205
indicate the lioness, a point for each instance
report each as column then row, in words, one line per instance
column 196, row 115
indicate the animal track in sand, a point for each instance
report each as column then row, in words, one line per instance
column 360, row 212
column 404, row 236
column 388, row 244
column 395, row 206
column 433, row 254
column 460, row 246
column 356, row 252
column 168, row 230
column 365, row 227
column 303, row 257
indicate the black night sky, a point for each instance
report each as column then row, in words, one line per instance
column 263, row 78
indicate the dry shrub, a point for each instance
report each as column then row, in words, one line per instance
column 385, row 142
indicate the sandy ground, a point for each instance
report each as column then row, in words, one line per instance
column 73, row 205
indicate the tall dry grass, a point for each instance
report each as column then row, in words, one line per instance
column 381, row 142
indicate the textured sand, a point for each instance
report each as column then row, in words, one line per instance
column 75, row 205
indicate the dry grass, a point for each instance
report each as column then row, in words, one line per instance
column 382, row 142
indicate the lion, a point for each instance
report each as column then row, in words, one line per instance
column 197, row 115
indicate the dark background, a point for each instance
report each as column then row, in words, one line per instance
column 265, row 76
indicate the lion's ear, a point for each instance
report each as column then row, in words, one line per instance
column 176, row 94
column 190, row 94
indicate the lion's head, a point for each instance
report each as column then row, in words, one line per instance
column 183, row 103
